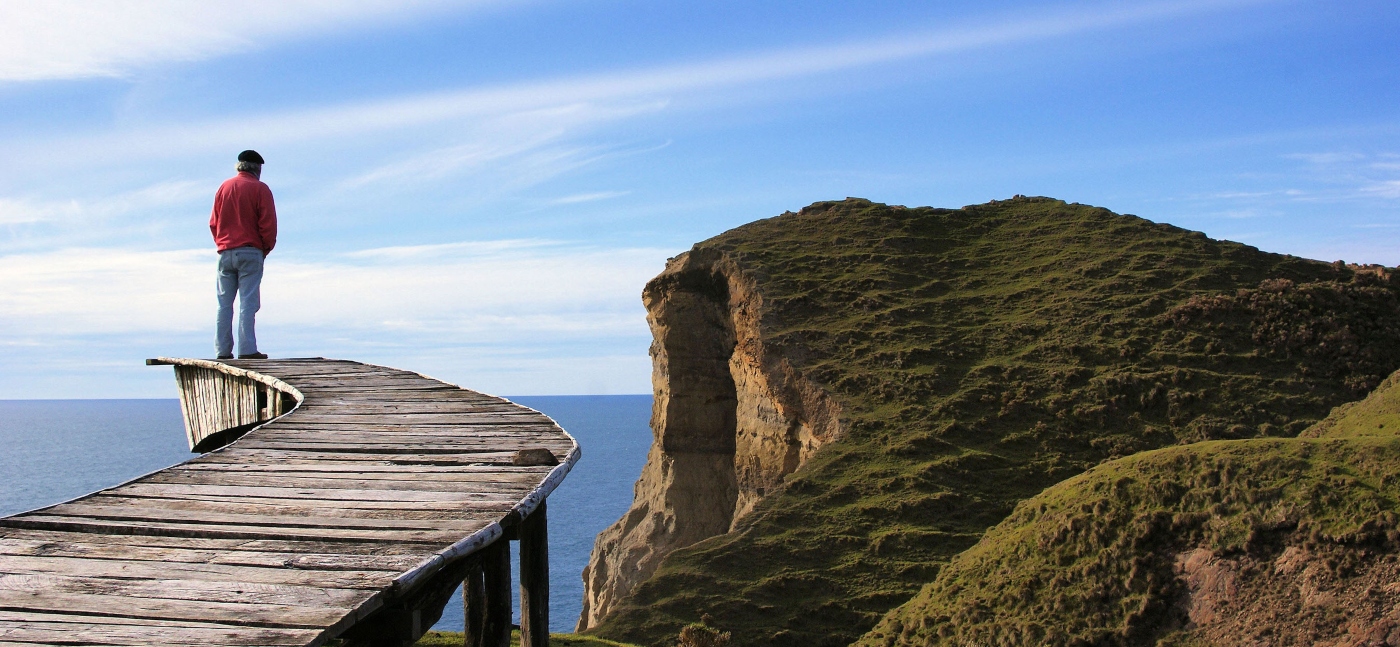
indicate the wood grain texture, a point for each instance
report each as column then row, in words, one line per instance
column 355, row 485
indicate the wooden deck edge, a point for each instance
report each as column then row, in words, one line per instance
column 486, row 536
column 406, row 583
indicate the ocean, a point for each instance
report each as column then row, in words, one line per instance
column 54, row 450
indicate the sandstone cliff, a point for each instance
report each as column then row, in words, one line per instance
column 730, row 421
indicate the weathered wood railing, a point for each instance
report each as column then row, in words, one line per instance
column 221, row 402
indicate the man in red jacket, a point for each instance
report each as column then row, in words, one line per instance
column 244, row 224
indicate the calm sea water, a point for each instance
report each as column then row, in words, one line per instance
column 54, row 450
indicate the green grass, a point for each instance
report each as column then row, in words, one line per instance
column 455, row 639
column 982, row 355
column 1090, row 560
column 1377, row 415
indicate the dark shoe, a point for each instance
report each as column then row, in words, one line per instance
column 224, row 357
column 253, row 356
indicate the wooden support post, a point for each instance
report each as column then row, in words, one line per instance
column 495, row 567
column 534, row 579
column 474, row 607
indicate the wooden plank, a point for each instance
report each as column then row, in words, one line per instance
column 469, row 409
column 293, row 373
column 442, row 430
column 447, row 433
column 426, row 418
column 192, row 590
column 283, row 559
column 223, row 547
column 192, row 529
column 369, row 389
column 274, row 366
column 500, row 453
column 421, row 439
column 284, row 508
column 80, row 567
column 414, row 444
column 303, row 482
column 30, row 628
column 245, row 451
column 430, row 406
column 261, row 615
column 173, row 490
column 329, row 422
column 464, row 479
column 210, row 544
column 371, row 468
column 391, row 403
column 7, row 617
column 230, row 518
column 368, row 508
column 270, row 455
column 399, row 397
column 374, row 385
column 360, row 395
column 376, row 377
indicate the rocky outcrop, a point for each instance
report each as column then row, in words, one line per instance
column 978, row 356
column 731, row 419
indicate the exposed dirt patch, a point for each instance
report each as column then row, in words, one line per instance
column 1327, row 595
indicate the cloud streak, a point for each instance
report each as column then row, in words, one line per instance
column 111, row 38
column 511, row 288
column 580, row 198
column 615, row 95
column 163, row 194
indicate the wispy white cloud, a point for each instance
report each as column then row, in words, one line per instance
column 22, row 210
column 96, row 38
column 1386, row 189
column 463, row 249
column 1355, row 175
column 615, row 95
column 17, row 211
column 103, row 291
column 519, row 148
column 1250, row 195
column 510, row 287
column 579, row 198
column 492, row 289
column 1329, row 157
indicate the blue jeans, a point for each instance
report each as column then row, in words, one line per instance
column 240, row 272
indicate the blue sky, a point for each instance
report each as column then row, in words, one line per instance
column 479, row 190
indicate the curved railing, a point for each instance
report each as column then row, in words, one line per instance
column 221, row 402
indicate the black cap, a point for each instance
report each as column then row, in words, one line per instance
column 250, row 156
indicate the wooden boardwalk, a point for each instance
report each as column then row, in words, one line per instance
column 351, row 517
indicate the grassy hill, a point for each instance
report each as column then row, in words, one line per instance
column 1278, row 541
column 982, row 355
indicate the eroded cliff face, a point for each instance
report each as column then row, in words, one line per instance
column 731, row 419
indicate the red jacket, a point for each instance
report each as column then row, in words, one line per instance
column 244, row 215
